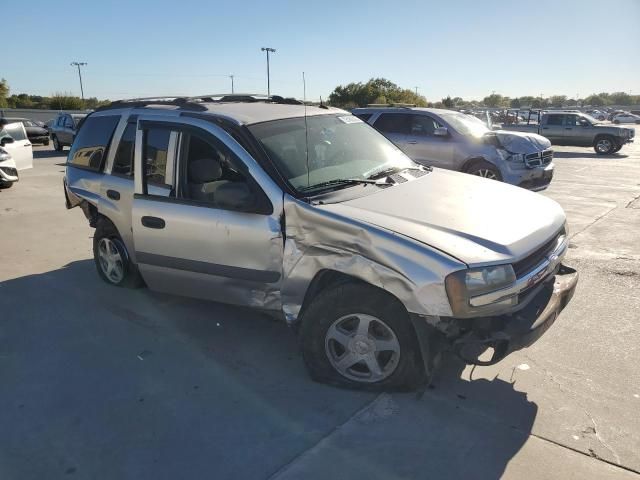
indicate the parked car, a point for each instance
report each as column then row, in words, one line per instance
column 567, row 128
column 456, row 141
column 597, row 114
column 15, row 152
column 35, row 133
column 63, row 131
column 311, row 214
column 626, row 118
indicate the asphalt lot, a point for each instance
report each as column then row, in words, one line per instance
column 101, row 382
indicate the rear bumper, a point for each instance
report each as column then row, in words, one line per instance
column 508, row 333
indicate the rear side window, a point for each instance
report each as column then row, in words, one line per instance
column 364, row 116
column 155, row 150
column 555, row 119
column 393, row 123
column 123, row 161
column 90, row 147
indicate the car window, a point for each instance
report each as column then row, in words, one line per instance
column 364, row 116
column 555, row 119
column 123, row 163
column 393, row 123
column 90, row 147
column 423, row 125
column 155, row 148
column 208, row 166
column 15, row 131
column 68, row 123
column 60, row 122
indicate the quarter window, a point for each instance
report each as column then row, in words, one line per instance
column 90, row 147
column 155, row 151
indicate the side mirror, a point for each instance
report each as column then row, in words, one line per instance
column 441, row 132
column 6, row 140
column 234, row 196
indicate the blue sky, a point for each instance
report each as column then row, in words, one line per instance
column 445, row 47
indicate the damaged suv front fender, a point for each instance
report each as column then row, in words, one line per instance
column 317, row 240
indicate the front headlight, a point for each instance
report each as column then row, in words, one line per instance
column 4, row 155
column 463, row 285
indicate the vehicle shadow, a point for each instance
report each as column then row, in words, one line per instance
column 585, row 155
column 37, row 154
column 181, row 386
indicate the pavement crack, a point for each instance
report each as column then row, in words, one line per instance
column 600, row 439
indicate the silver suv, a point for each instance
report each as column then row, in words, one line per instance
column 309, row 213
column 456, row 141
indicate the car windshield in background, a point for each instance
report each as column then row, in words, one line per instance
column 77, row 119
column 341, row 147
column 464, row 124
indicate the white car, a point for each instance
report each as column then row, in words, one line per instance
column 15, row 152
column 626, row 118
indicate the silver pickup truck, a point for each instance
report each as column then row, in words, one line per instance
column 309, row 213
column 571, row 128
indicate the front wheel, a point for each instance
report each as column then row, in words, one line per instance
column 482, row 168
column 57, row 145
column 5, row 184
column 111, row 257
column 357, row 336
column 604, row 145
column 616, row 121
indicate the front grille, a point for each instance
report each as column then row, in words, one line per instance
column 415, row 173
column 12, row 172
column 398, row 178
column 528, row 263
column 538, row 159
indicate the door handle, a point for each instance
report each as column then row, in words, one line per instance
column 412, row 142
column 545, row 128
column 27, row 144
column 113, row 194
column 153, row 222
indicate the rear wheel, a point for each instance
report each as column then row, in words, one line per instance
column 604, row 145
column 56, row 144
column 484, row 169
column 355, row 335
column 617, row 149
column 6, row 184
column 111, row 257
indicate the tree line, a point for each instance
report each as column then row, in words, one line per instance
column 381, row 90
column 57, row 101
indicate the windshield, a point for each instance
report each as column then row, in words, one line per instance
column 590, row 118
column 464, row 124
column 77, row 118
column 340, row 147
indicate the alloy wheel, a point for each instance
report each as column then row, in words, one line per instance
column 604, row 145
column 362, row 348
column 111, row 261
column 486, row 173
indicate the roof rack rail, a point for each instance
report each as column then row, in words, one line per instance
column 392, row 105
column 197, row 102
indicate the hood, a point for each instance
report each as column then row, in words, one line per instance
column 36, row 131
column 475, row 220
column 520, row 142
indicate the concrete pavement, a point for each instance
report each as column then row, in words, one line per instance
column 99, row 382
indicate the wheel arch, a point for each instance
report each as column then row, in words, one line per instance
column 470, row 161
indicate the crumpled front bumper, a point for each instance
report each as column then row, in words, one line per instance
column 507, row 333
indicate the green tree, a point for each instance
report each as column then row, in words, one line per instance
column 620, row 98
column 66, row 101
column 448, row 102
column 376, row 90
column 4, row 93
column 595, row 101
column 515, row 103
column 495, row 100
column 558, row 100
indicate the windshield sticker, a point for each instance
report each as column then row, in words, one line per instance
column 350, row 119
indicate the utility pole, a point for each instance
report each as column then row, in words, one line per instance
column 80, row 64
column 416, row 91
column 272, row 50
column 231, row 77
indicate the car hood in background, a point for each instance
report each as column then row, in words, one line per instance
column 520, row 142
column 36, row 131
column 475, row 220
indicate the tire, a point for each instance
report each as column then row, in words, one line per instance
column 336, row 313
column 604, row 145
column 617, row 149
column 4, row 185
column 616, row 121
column 111, row 257
column 482, row 168
column 46, row 143
column 56, row 144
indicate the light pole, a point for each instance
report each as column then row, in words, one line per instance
column 231, row 77
column 416, row 91
column 272, row 50
column 79, row 64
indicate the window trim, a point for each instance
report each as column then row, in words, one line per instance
column 264, row 206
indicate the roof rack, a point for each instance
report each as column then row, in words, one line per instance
column 391, row 105
column 196, row 102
